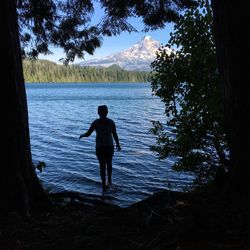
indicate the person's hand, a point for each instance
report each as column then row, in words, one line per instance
column 118, row 147
column 81, row 136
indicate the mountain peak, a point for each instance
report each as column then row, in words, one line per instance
column 147, row 37
column 149, row 40
column 137, row 57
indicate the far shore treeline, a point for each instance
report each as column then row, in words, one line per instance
column 46, row 71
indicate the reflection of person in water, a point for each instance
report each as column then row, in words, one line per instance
column 105, row 132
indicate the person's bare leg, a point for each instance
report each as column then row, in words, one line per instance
column 109, row 170
column 103, row 175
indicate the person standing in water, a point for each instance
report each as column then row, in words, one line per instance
column 105, row 133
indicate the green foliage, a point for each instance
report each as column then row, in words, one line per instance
column 187, row 81
column 45, row 71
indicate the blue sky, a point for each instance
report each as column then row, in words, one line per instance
column 114, row 44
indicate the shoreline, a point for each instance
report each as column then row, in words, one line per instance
column 166, row 220
column 101, row 82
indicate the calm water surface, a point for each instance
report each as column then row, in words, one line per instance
column 59, row 113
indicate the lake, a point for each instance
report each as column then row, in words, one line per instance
column 59, row 113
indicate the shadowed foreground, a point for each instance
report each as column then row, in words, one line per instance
column 166, row 220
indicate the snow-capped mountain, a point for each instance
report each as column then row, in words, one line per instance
column 138, row 57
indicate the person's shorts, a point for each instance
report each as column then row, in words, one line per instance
column 105, row 153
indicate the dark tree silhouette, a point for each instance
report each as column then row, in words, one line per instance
column 231, row 23
column 19, row 185
column 36, row 24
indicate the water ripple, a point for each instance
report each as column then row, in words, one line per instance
column 59, row 113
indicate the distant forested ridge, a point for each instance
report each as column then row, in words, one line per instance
column 46, row 71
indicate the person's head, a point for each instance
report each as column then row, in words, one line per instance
column 102, row 111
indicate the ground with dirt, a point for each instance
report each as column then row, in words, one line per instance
column 167, row 220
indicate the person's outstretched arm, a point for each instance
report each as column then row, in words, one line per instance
column 116, row 137
column 89, row 132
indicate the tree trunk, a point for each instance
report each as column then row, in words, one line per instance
column 19, row 185
column 231, row 23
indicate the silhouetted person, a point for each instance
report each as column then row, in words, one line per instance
column 105, row 133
